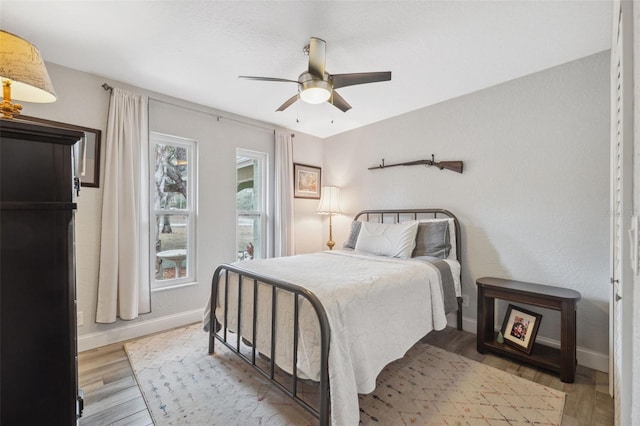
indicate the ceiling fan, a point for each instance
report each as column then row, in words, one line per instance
column 316, row 85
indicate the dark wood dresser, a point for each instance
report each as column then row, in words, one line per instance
column 38, row 347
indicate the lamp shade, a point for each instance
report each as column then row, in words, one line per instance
column 22, row 65
column 329, row 200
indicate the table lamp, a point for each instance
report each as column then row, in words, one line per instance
column 23, row 74
column 330, row 204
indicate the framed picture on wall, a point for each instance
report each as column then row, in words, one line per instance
column 306, row 181
column 520, row 327
column 86, row 153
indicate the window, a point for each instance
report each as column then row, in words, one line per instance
column 173, row 201
column 251, row 204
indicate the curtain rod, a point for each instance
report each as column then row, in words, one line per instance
column 109, row 88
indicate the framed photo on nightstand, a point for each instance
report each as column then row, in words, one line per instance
column 520, row 327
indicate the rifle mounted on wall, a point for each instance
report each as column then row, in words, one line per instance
column 455, row 166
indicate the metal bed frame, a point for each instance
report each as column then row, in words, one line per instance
column 323, row 411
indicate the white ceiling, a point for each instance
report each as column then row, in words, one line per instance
column 195, row 50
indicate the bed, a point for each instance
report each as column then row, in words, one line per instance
column 393, row 282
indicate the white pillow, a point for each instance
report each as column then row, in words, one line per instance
column 387, row 239
column 452, row 236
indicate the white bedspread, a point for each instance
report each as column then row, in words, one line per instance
column 377, row 308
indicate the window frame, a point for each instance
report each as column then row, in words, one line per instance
column 262, row 200
column 190, row 210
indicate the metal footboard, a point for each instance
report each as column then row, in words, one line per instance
column 223, row 271
column 245, row 277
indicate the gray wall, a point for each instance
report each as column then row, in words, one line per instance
column 533, row 199
column 309, row 234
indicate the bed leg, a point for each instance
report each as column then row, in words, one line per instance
column 212, row 332
column 459, row 314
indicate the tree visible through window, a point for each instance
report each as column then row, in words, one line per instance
column 172, row 197
column 251, row 204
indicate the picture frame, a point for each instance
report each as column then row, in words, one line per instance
column 86, row 153
column 520, row 328
column 307, row 181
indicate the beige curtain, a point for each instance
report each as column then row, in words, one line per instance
column 124, row 282
column 635, row 380
column 283, row 197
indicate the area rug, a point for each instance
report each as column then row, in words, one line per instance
column 184, row 385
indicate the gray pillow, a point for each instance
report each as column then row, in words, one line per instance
column 353, row 235
column 432, row 239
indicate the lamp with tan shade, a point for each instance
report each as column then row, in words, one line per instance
column 23, row 74
column 330, row 204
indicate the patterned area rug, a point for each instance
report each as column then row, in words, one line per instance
column 184, row 385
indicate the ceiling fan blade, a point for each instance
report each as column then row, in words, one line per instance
column 343, row 80
column 339, row 102
column 289, row 102
column 317, row 50
column 284, row 80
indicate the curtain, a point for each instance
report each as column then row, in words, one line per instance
column 635, row 379
column 124, row 282
column 283, row 198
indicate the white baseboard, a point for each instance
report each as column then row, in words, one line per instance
column 587, row 357
column 137, row 329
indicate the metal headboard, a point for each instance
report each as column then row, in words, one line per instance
column 401, row 215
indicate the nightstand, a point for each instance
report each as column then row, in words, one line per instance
column 561, row 360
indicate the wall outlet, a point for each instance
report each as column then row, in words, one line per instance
column 80, row 318
column 465, row 300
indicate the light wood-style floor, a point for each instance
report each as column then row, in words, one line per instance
column 112, row 396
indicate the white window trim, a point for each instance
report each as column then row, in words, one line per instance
column 263, row 201
column 192, row 208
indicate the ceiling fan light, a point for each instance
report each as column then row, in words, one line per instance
column 315, row 95
column 315, row 91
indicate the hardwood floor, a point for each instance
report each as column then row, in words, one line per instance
column 112, row 396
